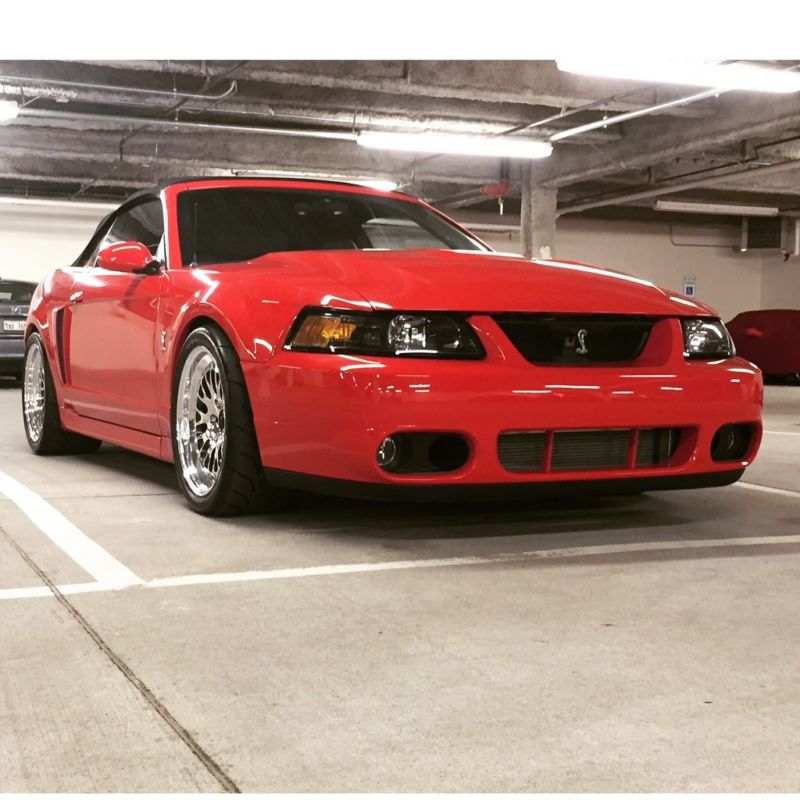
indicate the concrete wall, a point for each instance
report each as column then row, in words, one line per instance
column 780, row 283
column 34, row 239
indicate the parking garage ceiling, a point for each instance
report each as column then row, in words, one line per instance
column 101, row 129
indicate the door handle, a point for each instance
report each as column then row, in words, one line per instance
column 76, row 297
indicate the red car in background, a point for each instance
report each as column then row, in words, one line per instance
column 271, row 334
column 770, row 339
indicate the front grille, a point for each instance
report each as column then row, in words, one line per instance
column 656, row 446
column 602, row 449
column 590, row 449
column 522, row 452
column 575, row 340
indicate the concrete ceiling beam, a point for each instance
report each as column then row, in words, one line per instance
column 653, row 141
column 528, row 82
column 99, row 152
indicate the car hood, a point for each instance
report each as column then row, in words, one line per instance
column 445, row 280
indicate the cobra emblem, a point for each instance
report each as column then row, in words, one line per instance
column 582, row 349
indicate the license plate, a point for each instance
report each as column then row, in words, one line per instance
column 17, row 326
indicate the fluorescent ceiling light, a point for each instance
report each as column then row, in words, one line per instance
column 498, row 146
column 750, row 77
column 381, row 186
column 716, row 208
column 78, row 205
column 8, row 110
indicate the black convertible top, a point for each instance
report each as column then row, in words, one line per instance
column 154, row 190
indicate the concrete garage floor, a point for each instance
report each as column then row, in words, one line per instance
column 647, row 643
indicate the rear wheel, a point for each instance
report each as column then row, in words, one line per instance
column 40, row 411
column 214, row 444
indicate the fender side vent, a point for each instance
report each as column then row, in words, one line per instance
column 60, row 345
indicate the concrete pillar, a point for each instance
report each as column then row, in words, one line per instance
column 538, row 218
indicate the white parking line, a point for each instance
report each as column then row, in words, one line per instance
column 783, row 433
column 757, row 487
column 426, row 563
column 44, row 591
column 87, row 554
column 461, row 561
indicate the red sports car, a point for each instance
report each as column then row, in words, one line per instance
column 270, row 334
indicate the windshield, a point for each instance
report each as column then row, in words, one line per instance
column 218, row 226
column 16, row 292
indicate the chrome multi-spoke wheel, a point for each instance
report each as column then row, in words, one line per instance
column 33, row 392
column 214, row 444
column 200, row 421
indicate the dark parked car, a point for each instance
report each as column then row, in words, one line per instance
column 15, row 299
column 770, row 338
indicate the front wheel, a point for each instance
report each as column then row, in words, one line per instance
column 40, row 412
column 214, row 444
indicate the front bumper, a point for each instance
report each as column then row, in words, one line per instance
column 325, row 416
column 12, row 354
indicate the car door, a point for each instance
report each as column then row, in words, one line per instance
column 110, row 327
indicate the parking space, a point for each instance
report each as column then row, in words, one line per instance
column 625, row 643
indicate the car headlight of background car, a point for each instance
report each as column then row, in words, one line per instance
column 706, row 338
column 419, row 335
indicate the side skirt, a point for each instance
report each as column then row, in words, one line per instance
column 147, row 443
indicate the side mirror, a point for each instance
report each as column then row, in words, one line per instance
column 131, row 257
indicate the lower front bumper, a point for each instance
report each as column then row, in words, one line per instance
column 479, row 492
column 326, row 416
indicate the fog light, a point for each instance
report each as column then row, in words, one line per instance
column 731, row 442
column 388, row 453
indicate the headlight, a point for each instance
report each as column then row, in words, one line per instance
column 706, row 338
column 419, row 335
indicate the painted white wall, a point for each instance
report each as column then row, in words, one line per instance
column 729, row 281
column 780, row 283
column 35, row 239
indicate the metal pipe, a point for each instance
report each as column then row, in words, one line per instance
column 208, row 84
column 104, row 87
column 615, row 120
column 143, row 122
column 590, row 126
column 678, row 187
column 577, row 110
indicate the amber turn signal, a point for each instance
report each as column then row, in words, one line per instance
column 323, row 331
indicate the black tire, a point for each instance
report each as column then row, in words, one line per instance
column 54, row 439
column 240, row 487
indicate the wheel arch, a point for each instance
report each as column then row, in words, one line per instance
column 198, row 321
column 31, row 328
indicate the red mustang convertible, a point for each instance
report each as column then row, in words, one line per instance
column 268, row 334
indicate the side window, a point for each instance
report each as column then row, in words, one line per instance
column 143, row 223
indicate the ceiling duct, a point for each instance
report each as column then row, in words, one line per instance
column 771, row 234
